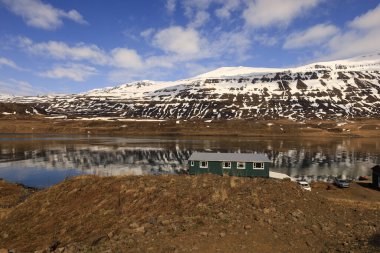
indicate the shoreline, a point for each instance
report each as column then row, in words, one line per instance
column 362, row 128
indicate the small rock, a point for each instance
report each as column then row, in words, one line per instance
column 152, row 220
column 348, row 225
column 204, row 234
column 54, row 245
column 110, row 234
column 134, row 225
column 165, row 222
column 315, row 229
column 222, row 234
column 5, row 235
column 247, row 227
column 38, row 251
column 60, row 250
column 71, row 248
column 140, row 230
column 266, row 210
column 221, row 215
column 297, row 214
column 98, row 240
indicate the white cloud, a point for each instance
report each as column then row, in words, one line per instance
column 198, row 10
column 124, row 75
column 8, row 63
column 178, row 40
column 229, row 6
column 266, row 40
column 200, row 18
column 162, row 61
column 147, row 33
column 118, row 57
column 17, row 87
column 353, row 43
column 170, row 5
column 126, row 58
column 314, row 35
column 41, row 15
column 195, row 69
column 60, row 50
column 265, row 13
column 361, row 37
column 370, row 20
column 235, row 44
column 76, row 72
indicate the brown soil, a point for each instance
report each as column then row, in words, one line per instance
column 179, row 213
column 283, row 128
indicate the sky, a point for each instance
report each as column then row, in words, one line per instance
column 72, row 46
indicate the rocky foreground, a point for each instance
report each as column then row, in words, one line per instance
column 179, row 213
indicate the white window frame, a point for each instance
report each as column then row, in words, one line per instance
column 258, row 168
column 226, row 167
column 203, row 167
column 240, row 168
column 192, row 163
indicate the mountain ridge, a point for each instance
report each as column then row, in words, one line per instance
column 325, row 90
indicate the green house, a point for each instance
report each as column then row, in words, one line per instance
column 233, row 164
column 376, row 176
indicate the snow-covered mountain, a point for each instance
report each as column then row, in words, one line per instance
column 345, row 88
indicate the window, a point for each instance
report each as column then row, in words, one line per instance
column 226, row 165
column 240, row 165
column 258, row 166
column 204, row 164
column 191, row 163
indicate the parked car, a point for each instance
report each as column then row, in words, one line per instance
column 342, row 183
column 304, row 185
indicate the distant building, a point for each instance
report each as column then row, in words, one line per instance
column 233, row 164
column 376, row 176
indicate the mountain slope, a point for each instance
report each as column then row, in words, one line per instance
column 326, row 90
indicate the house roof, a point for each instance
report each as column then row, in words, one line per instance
column 238, row 157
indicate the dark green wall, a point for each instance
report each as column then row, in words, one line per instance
column 375, row 179
column 216, row 168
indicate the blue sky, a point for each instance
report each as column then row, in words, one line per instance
column 73, row 46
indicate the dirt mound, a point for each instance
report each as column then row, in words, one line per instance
column 187, row 213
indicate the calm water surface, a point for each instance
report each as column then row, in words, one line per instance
column 44, row 160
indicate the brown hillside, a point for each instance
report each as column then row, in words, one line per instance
column 191, row 214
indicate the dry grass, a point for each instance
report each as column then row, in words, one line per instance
column 283, row 128
column 190, row 213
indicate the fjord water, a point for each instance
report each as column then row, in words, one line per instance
column 44, row 160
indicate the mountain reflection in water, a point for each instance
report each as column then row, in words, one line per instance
column 312, row 159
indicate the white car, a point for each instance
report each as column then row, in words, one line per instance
column 304, row 185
